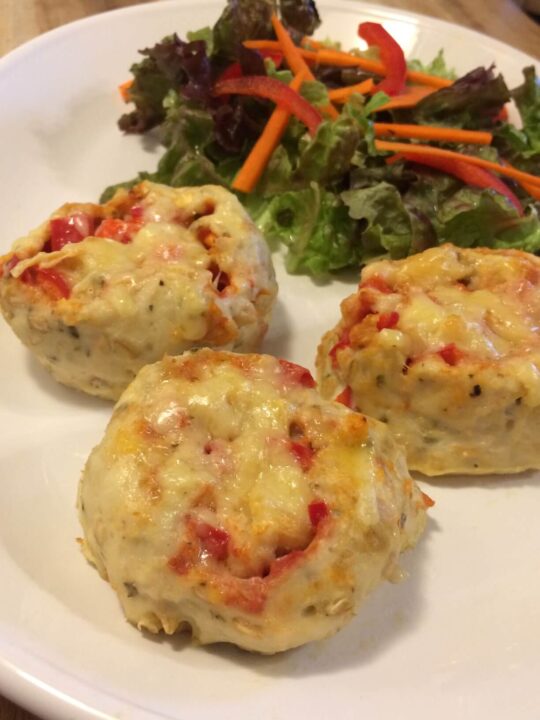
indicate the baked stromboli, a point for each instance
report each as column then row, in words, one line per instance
column 444, row 347
column 227, row 497
column 98, row 291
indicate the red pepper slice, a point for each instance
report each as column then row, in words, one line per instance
column 467, row 173
column 346, row 397
column 343, row 342
column 387, row 320
column 50, row 281
column 234, row 70
column 303, row 453
column 120, row 230
column 451, row 354
column 72, row 229
column 278, row 92
column 391, row 55
column 317, row 510
column 215, row 541
column 297, row 374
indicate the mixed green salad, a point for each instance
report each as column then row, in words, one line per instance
column 336, row 194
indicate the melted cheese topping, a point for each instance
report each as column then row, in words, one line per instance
column 226, row 487
column 445, row 347
column 193, row 272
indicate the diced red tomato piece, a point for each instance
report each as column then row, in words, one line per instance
column 120, row 230
column 377, row 283
column 297, row 374
column 388, row 320
column 52, row 282
column 72, row 229
column 317, row 510
column 303, row 453
column 346, row 397
column 451, row 354
column 215, row 541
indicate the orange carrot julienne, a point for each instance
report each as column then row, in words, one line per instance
column 294, row 58
column 533, row 191
column 338, row 58
column 412, row 97
column 508, row 170
column 342, row 59
column 254, row 165
column 123, row 88
column 430, row 132
column 341, row 95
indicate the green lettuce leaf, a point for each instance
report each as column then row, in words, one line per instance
column 242, row 20
column 388, row 226
column 314, row 225
column 436, row 67
column 300, row 15
column 474, row 218
column 527, row 99
column 472, row 101
column 327, row 157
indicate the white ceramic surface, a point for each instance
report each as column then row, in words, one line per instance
column 458, row 639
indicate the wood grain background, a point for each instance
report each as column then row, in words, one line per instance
column 21, row 20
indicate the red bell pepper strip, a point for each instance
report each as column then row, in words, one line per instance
column 388, row 320
column 71, row 229
column 451, row 354
column 234, row 70
column 120, row 230
column 296, row 374
column 50, row 281
column 346, row 397
column 343, row 342
column 303, row 454
column 214, row 541
column 391, row 55
column 272, row 89
column 317, row 511
column 467, row 173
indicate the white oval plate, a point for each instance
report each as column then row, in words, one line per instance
column 458, row 639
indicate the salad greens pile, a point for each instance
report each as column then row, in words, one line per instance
column 332, row 199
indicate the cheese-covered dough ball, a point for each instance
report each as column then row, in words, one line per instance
column 98, row 291
column 227, row 498
column 444, row 347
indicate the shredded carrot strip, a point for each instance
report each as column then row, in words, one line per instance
column 338, row 58
column 341, row 59
column 429, row 132
column 508, row 170
column 341, row 95
column 532, row 190
column 254, row 165
column 123, row 89
column 409, row 99
column 294, row 58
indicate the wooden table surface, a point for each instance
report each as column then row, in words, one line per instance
column 22, row 20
